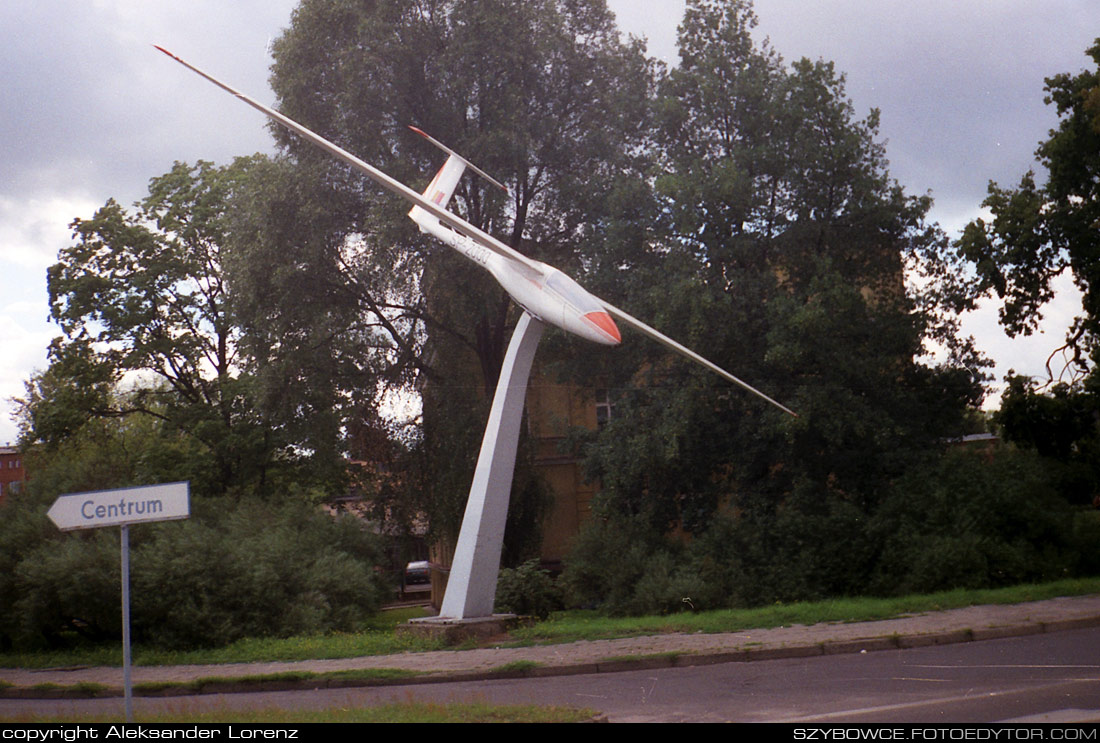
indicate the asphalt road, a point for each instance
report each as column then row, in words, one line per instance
column 1050, row 677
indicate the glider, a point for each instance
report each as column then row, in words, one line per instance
column 541, row 290
column 547, row 296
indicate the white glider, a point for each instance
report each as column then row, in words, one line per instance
column 542, row 290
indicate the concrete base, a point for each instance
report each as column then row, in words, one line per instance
column 455, row 631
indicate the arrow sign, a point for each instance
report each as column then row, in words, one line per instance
column 92, row 510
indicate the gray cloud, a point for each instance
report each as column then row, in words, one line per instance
column 88, row 110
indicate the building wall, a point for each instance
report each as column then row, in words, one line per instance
column 12, row 472
column 552, row 409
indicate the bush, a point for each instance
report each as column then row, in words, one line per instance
column 1086, row 541
column 527, row 590
column 230, row 571
column 963, row 520
column 70, row 584
column 618, row 564
column 973, row 520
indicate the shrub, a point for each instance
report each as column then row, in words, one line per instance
column 232, row 570
column 962, row 520
column 971, row 520
column 618, row 564
column 527, row 590
column 259, row 570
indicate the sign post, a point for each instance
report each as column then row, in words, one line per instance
column 121, row 508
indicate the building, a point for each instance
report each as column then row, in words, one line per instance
column 552, row 410
column 12, row 473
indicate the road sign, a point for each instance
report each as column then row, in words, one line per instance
column 121, row 507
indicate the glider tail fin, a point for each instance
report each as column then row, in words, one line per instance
column 443, row 185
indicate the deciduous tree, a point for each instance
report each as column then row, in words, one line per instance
column 142, row 301
column 783, row 241
column 543, row 95
column 1038, row 230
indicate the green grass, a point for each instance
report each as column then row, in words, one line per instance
column 379, row 637
column 408, row 712
column 571, row 626
column 363, row 676
column 516, row 667
column 376, row 638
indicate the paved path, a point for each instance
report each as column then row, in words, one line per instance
column 932, row 628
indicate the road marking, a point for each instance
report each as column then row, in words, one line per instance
column 939, row 702
column 1012, row 665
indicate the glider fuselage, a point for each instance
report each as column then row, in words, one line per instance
column 547, row 294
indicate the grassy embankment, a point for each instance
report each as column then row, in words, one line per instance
column 378, row 638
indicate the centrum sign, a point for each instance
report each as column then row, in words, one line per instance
column 165, row 502
column 121, row 508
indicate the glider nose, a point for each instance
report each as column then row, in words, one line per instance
column 607, row 326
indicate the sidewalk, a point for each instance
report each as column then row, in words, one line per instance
column 598, row 656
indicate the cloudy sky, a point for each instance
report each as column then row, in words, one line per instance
column 90, row 111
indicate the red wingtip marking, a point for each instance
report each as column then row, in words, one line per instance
column 418, row 131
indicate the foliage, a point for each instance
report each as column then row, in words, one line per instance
column 232, row 570
column 735, row 201
column 1038, row 231
column 143, row 296
column 318, row 354
column 256, row 571
column 543, row 95
column 235, row 568
column 778, row 213
column 1059, row 424
column 622, row 565
column 527, row 590
column 975, row 520
column 782, row 241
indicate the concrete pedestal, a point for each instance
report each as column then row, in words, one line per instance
column 456, row 631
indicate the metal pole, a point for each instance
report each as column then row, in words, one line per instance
column 126, row 623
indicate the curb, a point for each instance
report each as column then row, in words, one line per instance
column 611, row 665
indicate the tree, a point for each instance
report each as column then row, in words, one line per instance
column 544, row 95
column 1038, row 231
column 1060, row 424
column 141, row 299
column 782, row 242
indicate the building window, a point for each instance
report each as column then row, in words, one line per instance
column 604, row 407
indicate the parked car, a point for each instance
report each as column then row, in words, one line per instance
column 418, row 573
